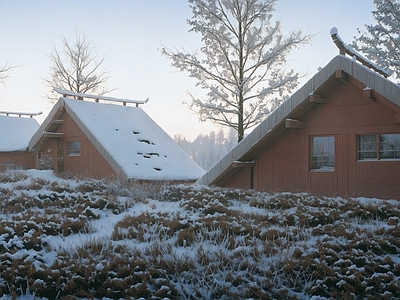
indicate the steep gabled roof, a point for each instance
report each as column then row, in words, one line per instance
column 129, row 140
column 290, row 113
column 15, row 133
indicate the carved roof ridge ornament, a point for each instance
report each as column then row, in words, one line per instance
column 80, row 96
column 20, row 114
column 346, row 49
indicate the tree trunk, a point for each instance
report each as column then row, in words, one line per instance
column 240, row 85
column 240, row 119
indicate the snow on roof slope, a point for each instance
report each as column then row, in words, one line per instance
column 15, row 133
column 135, row 142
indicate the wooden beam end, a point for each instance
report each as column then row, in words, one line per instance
column 367, row 93
column 313, row 98
column 294, row 124
column 341, row 75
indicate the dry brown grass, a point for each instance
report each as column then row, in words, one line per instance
column 283, row 246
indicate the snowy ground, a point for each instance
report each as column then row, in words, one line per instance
column 77, row 239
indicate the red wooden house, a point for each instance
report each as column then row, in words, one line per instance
column 104, row 140
column 339, row 134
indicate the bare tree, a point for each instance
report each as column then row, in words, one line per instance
column 242, row 63
column 77, row 68
column 4, row 72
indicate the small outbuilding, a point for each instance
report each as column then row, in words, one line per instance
column 16, row 129
column 108, row 140
column 339, row 134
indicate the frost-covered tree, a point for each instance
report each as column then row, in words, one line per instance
column 207, row 149
column 381, row 42
column 242, row 62
column 77, row 68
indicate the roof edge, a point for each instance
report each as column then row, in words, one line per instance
column 39, row 133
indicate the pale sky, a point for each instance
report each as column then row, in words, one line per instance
column 130, row 32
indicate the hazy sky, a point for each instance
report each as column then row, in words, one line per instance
column 130, row 32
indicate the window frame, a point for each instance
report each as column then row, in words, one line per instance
column 379, row 151
column 331, row 156
column 75, row 151
column 376, row 151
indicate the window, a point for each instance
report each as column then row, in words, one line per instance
column 73, row 148
column 379, row 146
column 10, row 166
column 367, row 147
column 323, row 153
column 389, row 146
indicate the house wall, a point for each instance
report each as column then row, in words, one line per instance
column 90, row 163
column 18, row 160
column 240, row 180
column 285, row 165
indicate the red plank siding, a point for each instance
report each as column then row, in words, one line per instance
column 284, row 164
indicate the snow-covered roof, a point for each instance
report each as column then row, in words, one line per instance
column 16, row 132
column 129, row 140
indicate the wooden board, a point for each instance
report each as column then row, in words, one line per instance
column 66, row 93
column 7, row 113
